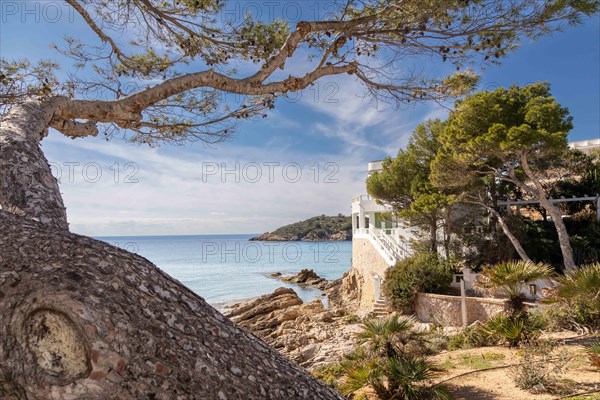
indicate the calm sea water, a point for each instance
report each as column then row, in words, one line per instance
column 227, row 268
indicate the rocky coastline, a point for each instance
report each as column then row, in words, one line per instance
column 308, row 333
column 310, row 237
column 306, row 277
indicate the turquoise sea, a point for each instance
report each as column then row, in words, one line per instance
column 228, row 268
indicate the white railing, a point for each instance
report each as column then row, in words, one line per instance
column 361, row 231
column 360, row 198
column 392, row 247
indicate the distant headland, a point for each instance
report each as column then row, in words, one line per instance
column 314, row 229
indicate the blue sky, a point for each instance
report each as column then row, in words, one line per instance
column 329, row 128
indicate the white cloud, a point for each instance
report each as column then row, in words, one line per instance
column 177, row 193
column 369, row 130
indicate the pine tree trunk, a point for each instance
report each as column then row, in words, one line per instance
column 27, row 187
column 80, row 319
column 513, row 239
column 563, row 236
column 433, row 234
column 83, row 319
column 554, row 211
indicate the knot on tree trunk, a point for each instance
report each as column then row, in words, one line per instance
column 83, row 319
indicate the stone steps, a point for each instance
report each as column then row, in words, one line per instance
column 380, row 308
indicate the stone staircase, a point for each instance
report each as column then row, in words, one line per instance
column 380, row 308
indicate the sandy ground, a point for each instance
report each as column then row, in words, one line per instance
column 496, row 384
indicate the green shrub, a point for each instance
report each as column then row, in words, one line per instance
column 502, row 328
column 436, row 341
column 351, row 319
column 577, row 315
column 470, row 337
column 329, row 373
column 539, row 318
column 542, row 367
column 423, row 272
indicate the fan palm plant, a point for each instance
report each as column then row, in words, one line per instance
column 581, row 282
column 402, row 377
column 389, row 336
column 593, row 351
column 512, row 277
column 580, row 290
column 385, row 361
column 405, row 377
column 511, row 330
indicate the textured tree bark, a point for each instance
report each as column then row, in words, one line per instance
column 82, row 319
column 27, row 187
column 433, row 234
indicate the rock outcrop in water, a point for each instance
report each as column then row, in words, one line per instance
column 306, row 277
column 305, row 332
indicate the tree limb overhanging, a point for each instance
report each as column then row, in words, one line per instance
column 175, row 42
column 168, row 83
column 83, row 319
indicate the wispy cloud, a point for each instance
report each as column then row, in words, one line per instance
column 178, row 191
column 369, row 130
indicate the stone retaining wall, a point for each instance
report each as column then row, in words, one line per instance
column 445, row 310
column 366, row 262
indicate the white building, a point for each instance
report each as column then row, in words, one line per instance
column 378, row 242
column 373, row 221
column 586, row 146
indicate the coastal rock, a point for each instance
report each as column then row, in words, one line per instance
column 265, row 313
column 307, row 277
column 307, row 333
column 345, row 293
column 341, row 236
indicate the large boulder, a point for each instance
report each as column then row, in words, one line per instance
column 80, row 319
column 308, row 333
column 307, row 277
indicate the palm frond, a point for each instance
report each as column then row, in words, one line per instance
column 581, row 282
column 512, row 276
column 379, row 334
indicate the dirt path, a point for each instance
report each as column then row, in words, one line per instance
column 496, row 384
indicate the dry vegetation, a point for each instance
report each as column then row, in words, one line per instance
column 494, row 381
column 488, row 373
